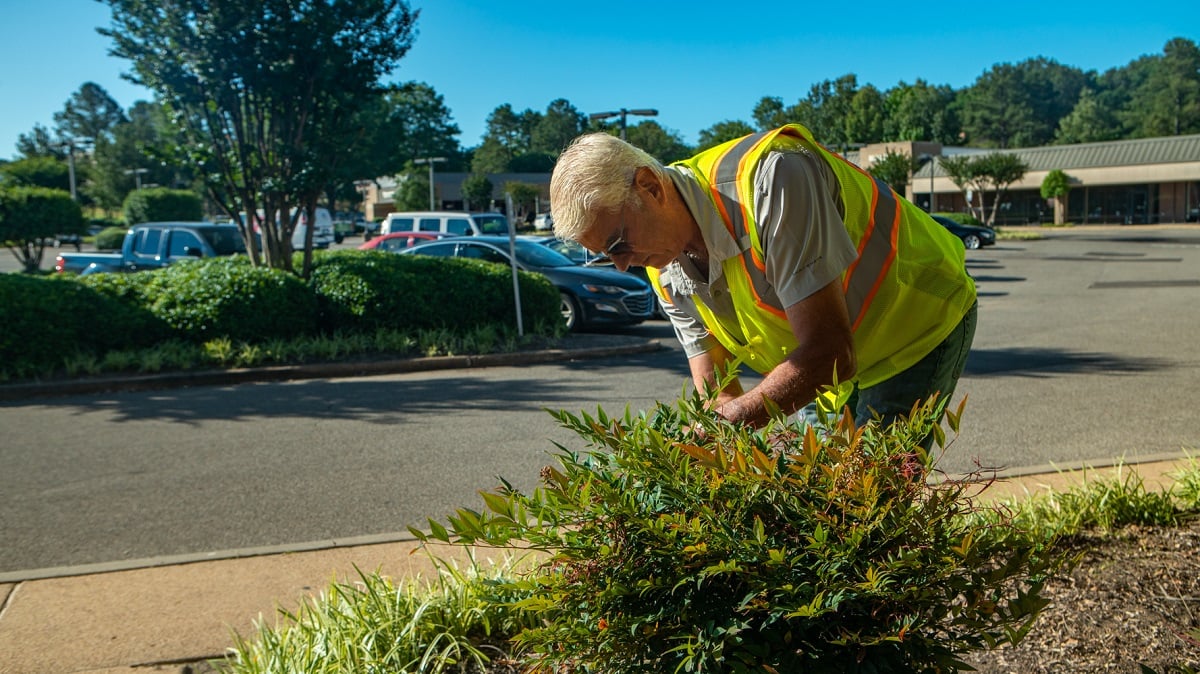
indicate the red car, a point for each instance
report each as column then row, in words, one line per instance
column 400, row 240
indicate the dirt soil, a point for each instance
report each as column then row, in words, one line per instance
column 1130, row 603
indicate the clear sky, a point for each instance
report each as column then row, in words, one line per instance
column 697, row 62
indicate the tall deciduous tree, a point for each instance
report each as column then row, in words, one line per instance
column 561, row 124
column 40, row 142
column 825, row 110
column 665, row 146
column 864, row 122
column 723, row 131
column 769, row 113
column 1167, row 103
column 1088, row 122
column 89, row 116
column 140, row 144
column 265, row 93
column 921, row 111
column 1020, row 105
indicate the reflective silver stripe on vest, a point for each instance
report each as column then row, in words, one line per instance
column 725, row 178
column 875, row 252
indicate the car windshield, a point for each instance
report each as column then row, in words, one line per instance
column 536, row 255
column 573, row 250
column 224, row 240
column 491, row 223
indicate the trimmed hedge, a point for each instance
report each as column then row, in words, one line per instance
column 227, row 297
column 162, row 204
column 111, row 238
column 44, row 321
column 372, row 289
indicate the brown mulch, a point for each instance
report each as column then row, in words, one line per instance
column 1130, row 603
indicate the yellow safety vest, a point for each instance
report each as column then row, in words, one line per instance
column 906, row 291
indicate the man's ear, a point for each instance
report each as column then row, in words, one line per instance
column 648, row 185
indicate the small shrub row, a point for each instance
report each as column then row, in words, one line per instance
column 55, row 323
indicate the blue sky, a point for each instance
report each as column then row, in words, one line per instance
column 697, row 63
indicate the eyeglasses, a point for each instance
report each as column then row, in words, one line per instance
column 618, row 246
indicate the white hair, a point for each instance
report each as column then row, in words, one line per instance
column 595, row 175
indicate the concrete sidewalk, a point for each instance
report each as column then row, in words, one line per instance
column 174, row 617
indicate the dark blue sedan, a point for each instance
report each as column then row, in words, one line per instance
column 591, row 296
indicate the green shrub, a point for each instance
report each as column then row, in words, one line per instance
column 226, row 297
column 162, row 204
column 30, row 213
column 963, row 218
column 110, row 238
column 370, row 290
column 680, row 543
column 48, row 319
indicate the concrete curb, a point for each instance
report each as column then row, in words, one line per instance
column 149, row 382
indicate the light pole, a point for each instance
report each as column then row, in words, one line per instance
column 137, row 175
column 932, row 164
column 623, row 113
column 431, row 161
column 69, row 146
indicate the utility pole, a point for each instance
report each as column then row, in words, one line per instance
column 431, row 161
column 137, row 175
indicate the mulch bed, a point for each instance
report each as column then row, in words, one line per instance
column 1129, row 604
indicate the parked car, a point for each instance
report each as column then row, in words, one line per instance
column 400, row 240
column 448, row 222
column 591, row 296
column 580, row 255
column 323, row 234
column 152, row 245
column 973, row 236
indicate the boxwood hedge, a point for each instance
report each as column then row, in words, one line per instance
column 372, row 289
column 46, row 320
column 227, row 297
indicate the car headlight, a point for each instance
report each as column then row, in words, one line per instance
column 602, row 289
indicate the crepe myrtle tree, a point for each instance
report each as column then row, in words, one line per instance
column 981, row 174
column 264, row 96
column 31, row 215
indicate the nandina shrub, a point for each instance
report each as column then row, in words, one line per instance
column 677, row 542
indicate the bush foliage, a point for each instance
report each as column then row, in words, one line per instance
column 372, row 289
column 161, row 204
column 111, row 238
column 680, row 543
column 50, row 323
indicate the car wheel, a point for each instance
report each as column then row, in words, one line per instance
column 570, row 311
column 971, row 241
column 339, row 237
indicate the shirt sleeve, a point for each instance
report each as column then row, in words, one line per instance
column 804, row 238
column 692, row 334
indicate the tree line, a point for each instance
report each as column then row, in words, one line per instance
column 271, row 107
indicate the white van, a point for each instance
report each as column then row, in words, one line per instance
column 323, row 234
column 458, row 223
